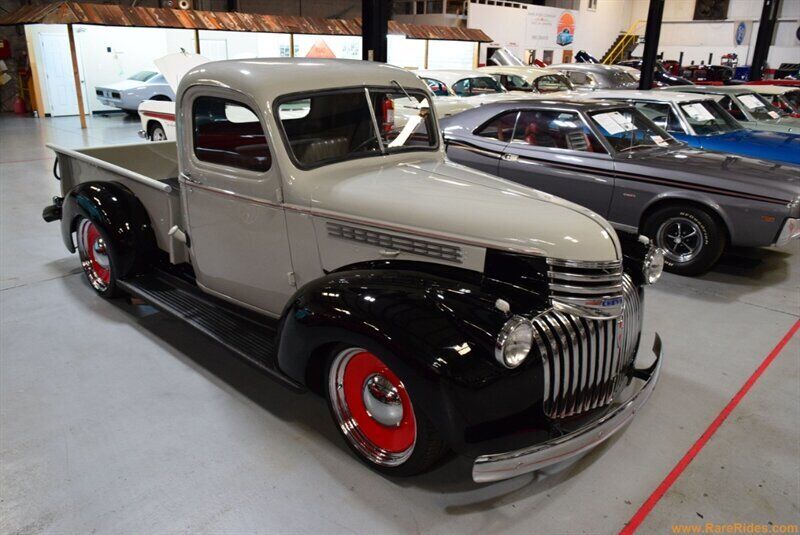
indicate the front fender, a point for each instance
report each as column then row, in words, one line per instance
column 437, row 334
column 118, row 211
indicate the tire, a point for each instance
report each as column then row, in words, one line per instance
column 95, row 253
column 157, row 133
column 386, row 434
column 692, row 238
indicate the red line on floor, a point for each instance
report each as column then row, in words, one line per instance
column 654, row 498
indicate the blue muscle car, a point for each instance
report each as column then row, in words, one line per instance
column 701, row 122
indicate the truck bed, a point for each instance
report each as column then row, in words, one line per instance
column 150, row 170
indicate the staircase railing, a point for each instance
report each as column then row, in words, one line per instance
column 627, row 39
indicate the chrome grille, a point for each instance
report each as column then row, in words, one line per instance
column 398, row 243
column 583, row 359
column 590, row 290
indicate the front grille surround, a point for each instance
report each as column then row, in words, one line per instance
column 584, row 360
column 592, row 290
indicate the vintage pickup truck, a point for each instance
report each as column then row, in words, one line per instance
column 435, row 307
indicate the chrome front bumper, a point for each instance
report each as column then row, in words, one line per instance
column 497, row 466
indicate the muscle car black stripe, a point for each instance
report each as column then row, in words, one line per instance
column 627, row 176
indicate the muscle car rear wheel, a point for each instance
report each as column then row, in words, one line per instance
column 94, row 250
column 374, row 413
column 692, row 239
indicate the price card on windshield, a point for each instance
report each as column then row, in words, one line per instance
column 698, row 112
column 773, row 114
column 658, row 140
column 614, row 122
column 751, row 101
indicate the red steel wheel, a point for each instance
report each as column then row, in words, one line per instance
column 94, row 255
column 372, row 408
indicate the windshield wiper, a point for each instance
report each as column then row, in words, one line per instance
column 403, row 89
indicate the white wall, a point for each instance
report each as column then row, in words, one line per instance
column 696, row 39
column 451, row 54
column 597, row 30
column 406, row 53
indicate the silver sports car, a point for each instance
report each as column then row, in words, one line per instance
column 128, row 94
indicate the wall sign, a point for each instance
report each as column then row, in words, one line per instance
column 546, row 27
column 741, row 33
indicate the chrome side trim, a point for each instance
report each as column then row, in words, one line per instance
column 498, row 466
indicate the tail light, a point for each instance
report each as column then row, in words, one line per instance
column 387, row 115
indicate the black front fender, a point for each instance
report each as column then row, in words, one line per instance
column 436, row 333
column 115, row 209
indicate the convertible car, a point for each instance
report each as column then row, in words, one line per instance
column 747, row 107
column 456, row 90
column 700, row 121
column 528, row 79
column 609, row 157
column 128, row 94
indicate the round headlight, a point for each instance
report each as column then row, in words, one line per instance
column 514, row 342
column 653, row 265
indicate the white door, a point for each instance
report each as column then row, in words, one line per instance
column 59, row 79
column 214, row 49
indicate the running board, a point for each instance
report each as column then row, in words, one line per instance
column 251, row 338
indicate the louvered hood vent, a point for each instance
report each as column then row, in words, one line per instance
column 398, row 243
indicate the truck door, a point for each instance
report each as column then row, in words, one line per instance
column 555, row 152
column 232, row 201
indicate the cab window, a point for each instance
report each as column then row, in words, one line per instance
column 500, row 128
column 556, row 130
column 229, row 133
column 581, row 79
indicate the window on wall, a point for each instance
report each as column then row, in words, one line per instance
column 592, row 5
column 229, row 133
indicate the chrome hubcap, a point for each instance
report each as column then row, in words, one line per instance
column 681, row 239
column 93, row 253
column 100, row 254
column 382, row 400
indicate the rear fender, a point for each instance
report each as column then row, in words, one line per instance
column 114, row 208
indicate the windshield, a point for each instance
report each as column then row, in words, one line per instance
column 142, row 76
column 707, row 118
column 330, row 127
column 478, row 85
column 626, row 130
column 621, row 78
column 552, row 82
column 759, row 108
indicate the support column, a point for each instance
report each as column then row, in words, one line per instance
column 196, row 41
column 766, row 30
column 374, row 27
column 76, row 75
column 652, row 34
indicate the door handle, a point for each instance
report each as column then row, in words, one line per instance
column 389, row 252
column 510, row 157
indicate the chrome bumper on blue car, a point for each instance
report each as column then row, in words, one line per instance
column 497, row 466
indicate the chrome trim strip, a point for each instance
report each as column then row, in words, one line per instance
column 591, row 290
column 605, row 264
column 579, row 277
column 498, row 466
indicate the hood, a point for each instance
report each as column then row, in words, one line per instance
column 174, row 66
column 719, row 171
column 452, row 202
column 756, row 144
column 447, row 106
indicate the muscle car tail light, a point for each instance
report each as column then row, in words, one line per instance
column 393, row 242
column 591, row 290
column 584, row 360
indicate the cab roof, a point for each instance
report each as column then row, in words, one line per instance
column 450, row 76
column 654, row 96
column 266, row 79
